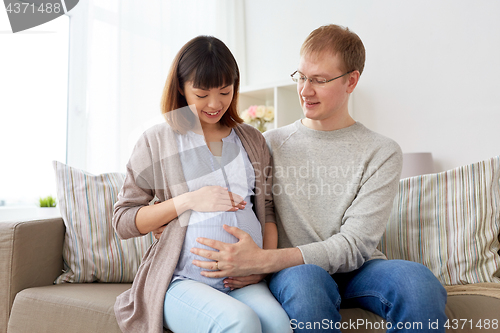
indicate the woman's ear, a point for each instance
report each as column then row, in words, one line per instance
column 180, row 91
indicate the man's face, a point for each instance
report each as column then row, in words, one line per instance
column 326, row 103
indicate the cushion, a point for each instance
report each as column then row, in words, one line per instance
column 75, row 308
column 67, row 307
column 92, row 251
column 450, row 222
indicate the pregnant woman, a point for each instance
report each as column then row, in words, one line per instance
column 206, row 169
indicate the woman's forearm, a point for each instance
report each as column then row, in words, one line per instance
column 270, row 236
column 152, row 217
column 275, row 259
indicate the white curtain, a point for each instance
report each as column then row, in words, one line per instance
column 120, row 54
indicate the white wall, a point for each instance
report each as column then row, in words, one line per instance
column 432, row 72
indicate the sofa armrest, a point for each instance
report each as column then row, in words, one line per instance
column 30, row 256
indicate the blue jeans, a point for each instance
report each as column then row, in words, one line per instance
column 194, row 307
column 406, row 294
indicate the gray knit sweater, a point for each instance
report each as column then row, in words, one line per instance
column 333, row 192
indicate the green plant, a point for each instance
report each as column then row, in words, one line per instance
column 48, row 201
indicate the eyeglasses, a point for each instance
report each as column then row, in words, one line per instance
column 315, row 81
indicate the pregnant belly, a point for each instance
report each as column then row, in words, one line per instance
column 212, row 228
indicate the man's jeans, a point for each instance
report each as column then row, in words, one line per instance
column 406, row 294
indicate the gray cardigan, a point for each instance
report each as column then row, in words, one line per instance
column 154, row 169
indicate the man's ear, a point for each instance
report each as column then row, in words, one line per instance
column 352, row 81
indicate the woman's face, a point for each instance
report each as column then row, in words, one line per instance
column 209, row 105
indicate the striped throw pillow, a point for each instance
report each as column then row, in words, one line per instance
column 92, row 251
column 450, row 222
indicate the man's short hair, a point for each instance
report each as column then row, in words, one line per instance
column 337, row 40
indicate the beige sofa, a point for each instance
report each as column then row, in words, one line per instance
column 31, row 258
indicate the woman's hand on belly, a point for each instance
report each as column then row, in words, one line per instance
column 215, row 199
column 243, row 281
column 210, row 199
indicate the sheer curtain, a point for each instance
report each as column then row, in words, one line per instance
column 120, row 54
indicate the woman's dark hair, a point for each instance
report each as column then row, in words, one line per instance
column 208, row 63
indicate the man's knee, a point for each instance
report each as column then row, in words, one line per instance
column 301, row 272
column 414, row 273
column 307, row 293
column 304, row 282
column 300, row 276
column 416, row 281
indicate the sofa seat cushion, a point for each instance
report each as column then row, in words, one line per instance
column 88, row 307
column 85, row 307
column 489, row 289
column 467, row 311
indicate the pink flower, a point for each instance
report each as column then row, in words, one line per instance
column 251, row 111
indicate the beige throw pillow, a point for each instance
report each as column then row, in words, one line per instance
column 450, row 222
column 92, row 251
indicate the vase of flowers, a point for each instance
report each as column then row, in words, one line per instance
column 258, row 116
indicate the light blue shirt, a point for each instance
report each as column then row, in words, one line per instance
column 233, row 170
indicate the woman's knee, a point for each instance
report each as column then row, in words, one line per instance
column 192, row 306
column 244, row 319
column 274, row 319
column 241, row 318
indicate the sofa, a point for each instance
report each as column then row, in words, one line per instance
column 31, row 259
column 32, row 252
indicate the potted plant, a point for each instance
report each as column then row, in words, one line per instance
column 48, row 201
column 48, row 207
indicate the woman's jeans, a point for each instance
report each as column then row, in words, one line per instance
column 194, row 307
column 406, row 294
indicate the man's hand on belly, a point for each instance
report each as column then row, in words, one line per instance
column 238, row 259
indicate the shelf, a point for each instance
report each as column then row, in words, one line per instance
column 282, row 95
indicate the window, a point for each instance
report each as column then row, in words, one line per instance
column 33, row 109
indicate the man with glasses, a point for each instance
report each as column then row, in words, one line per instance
column 334, row 182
